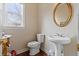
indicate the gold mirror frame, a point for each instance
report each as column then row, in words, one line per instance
column 62, row 24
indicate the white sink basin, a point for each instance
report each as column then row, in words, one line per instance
column 60, row 40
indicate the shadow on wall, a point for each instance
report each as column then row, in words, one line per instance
column 71, row 49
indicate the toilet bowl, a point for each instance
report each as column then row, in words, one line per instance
column 34, row 46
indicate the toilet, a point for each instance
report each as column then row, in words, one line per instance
column 35, row 45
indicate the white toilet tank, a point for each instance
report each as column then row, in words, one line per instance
column 40, row 38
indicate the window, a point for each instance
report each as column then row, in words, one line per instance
column 12, row 14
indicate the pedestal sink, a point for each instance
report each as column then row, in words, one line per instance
column 59, row 41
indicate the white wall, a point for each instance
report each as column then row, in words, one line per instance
column 21, row 36
column 48, row 27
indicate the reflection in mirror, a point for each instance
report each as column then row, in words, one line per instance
column 62, row 14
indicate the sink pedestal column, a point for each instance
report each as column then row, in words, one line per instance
column 59, row 49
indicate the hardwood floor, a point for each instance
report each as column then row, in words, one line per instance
column 41, row 53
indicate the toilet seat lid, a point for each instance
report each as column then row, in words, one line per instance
column 33, row 43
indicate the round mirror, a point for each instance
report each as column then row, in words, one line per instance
column 62, row 14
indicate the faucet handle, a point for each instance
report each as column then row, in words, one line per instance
column 58, row 34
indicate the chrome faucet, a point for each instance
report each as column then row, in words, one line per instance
column 59, row 34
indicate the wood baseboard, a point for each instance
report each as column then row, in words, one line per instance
column 22, row 50
column 26, row 53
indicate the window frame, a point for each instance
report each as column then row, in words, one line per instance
column 13, row 26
